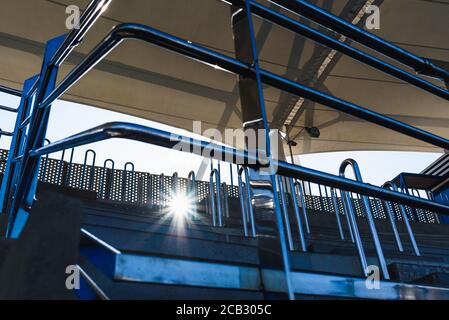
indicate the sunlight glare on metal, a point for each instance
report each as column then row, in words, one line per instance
column 181, row 206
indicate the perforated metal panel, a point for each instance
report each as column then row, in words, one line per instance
column 149, row 189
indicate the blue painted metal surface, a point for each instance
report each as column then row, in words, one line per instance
column 369, row 215
column 189, row 49
column 310, row 11
column 16, row 145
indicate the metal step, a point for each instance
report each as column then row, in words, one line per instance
column 147, row 274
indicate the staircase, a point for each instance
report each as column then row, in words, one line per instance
column 129, row 252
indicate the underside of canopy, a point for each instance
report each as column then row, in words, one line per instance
column 151, row 83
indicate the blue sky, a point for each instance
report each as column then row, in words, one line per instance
column 70, row 118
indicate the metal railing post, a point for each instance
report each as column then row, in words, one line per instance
column 297, row 216
column 389, row 210
column 369, row 216
column 105, row 181
column 245, row 188
column 391, row 185
column 216, row 207
column 287, row 226
column 192, row 194
column 91, row 171
column 125, row 180
column 302, row 198
column 337, row 214
column 243, row 202
column 355, row 230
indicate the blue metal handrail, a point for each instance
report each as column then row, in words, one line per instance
column 369, row 215
column 312, row 12
column 165, row 139
column 187, row 48
column 92, row 169
column 107, row 195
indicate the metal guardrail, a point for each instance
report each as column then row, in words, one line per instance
column 26, row 175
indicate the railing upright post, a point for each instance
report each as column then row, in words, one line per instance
column 300, row 190
column 369, row 216
column 337, row 214
column 391, row 185
column 297, row 216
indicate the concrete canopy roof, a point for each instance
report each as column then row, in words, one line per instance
column 151, row 83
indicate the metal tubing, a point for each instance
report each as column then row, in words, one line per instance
column 210, row 57
column 174, row 185
column 290, row 243
column 389, row 210
column 92, row 12
column 332, row 43
column 5, row 133
column 297, row 216
column 162, row 195
column 355, row 231
column 242, row 198
column 216, row 208
column 165, row 139
column 249, row 203
column 11, row 91
column 107, row 195
column 369, row 216
column 8, row 109
column 225, row 193
column 125, row 179
column 302, row 198
column 92, row 169
column 192, row 194
column 391, row 185
column 337, row 214
column 308, row 10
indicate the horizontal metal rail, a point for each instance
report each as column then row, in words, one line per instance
column 11, row 91
column 328, row 41
column 166, row 139
column 314, row 13
column 5, row 133
column 189, row 49
column 9, row 109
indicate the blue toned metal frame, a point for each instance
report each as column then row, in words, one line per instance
column 369, row 215
column 314, row 13
column 332, row 43
column 56, row 52
column 17, row 142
